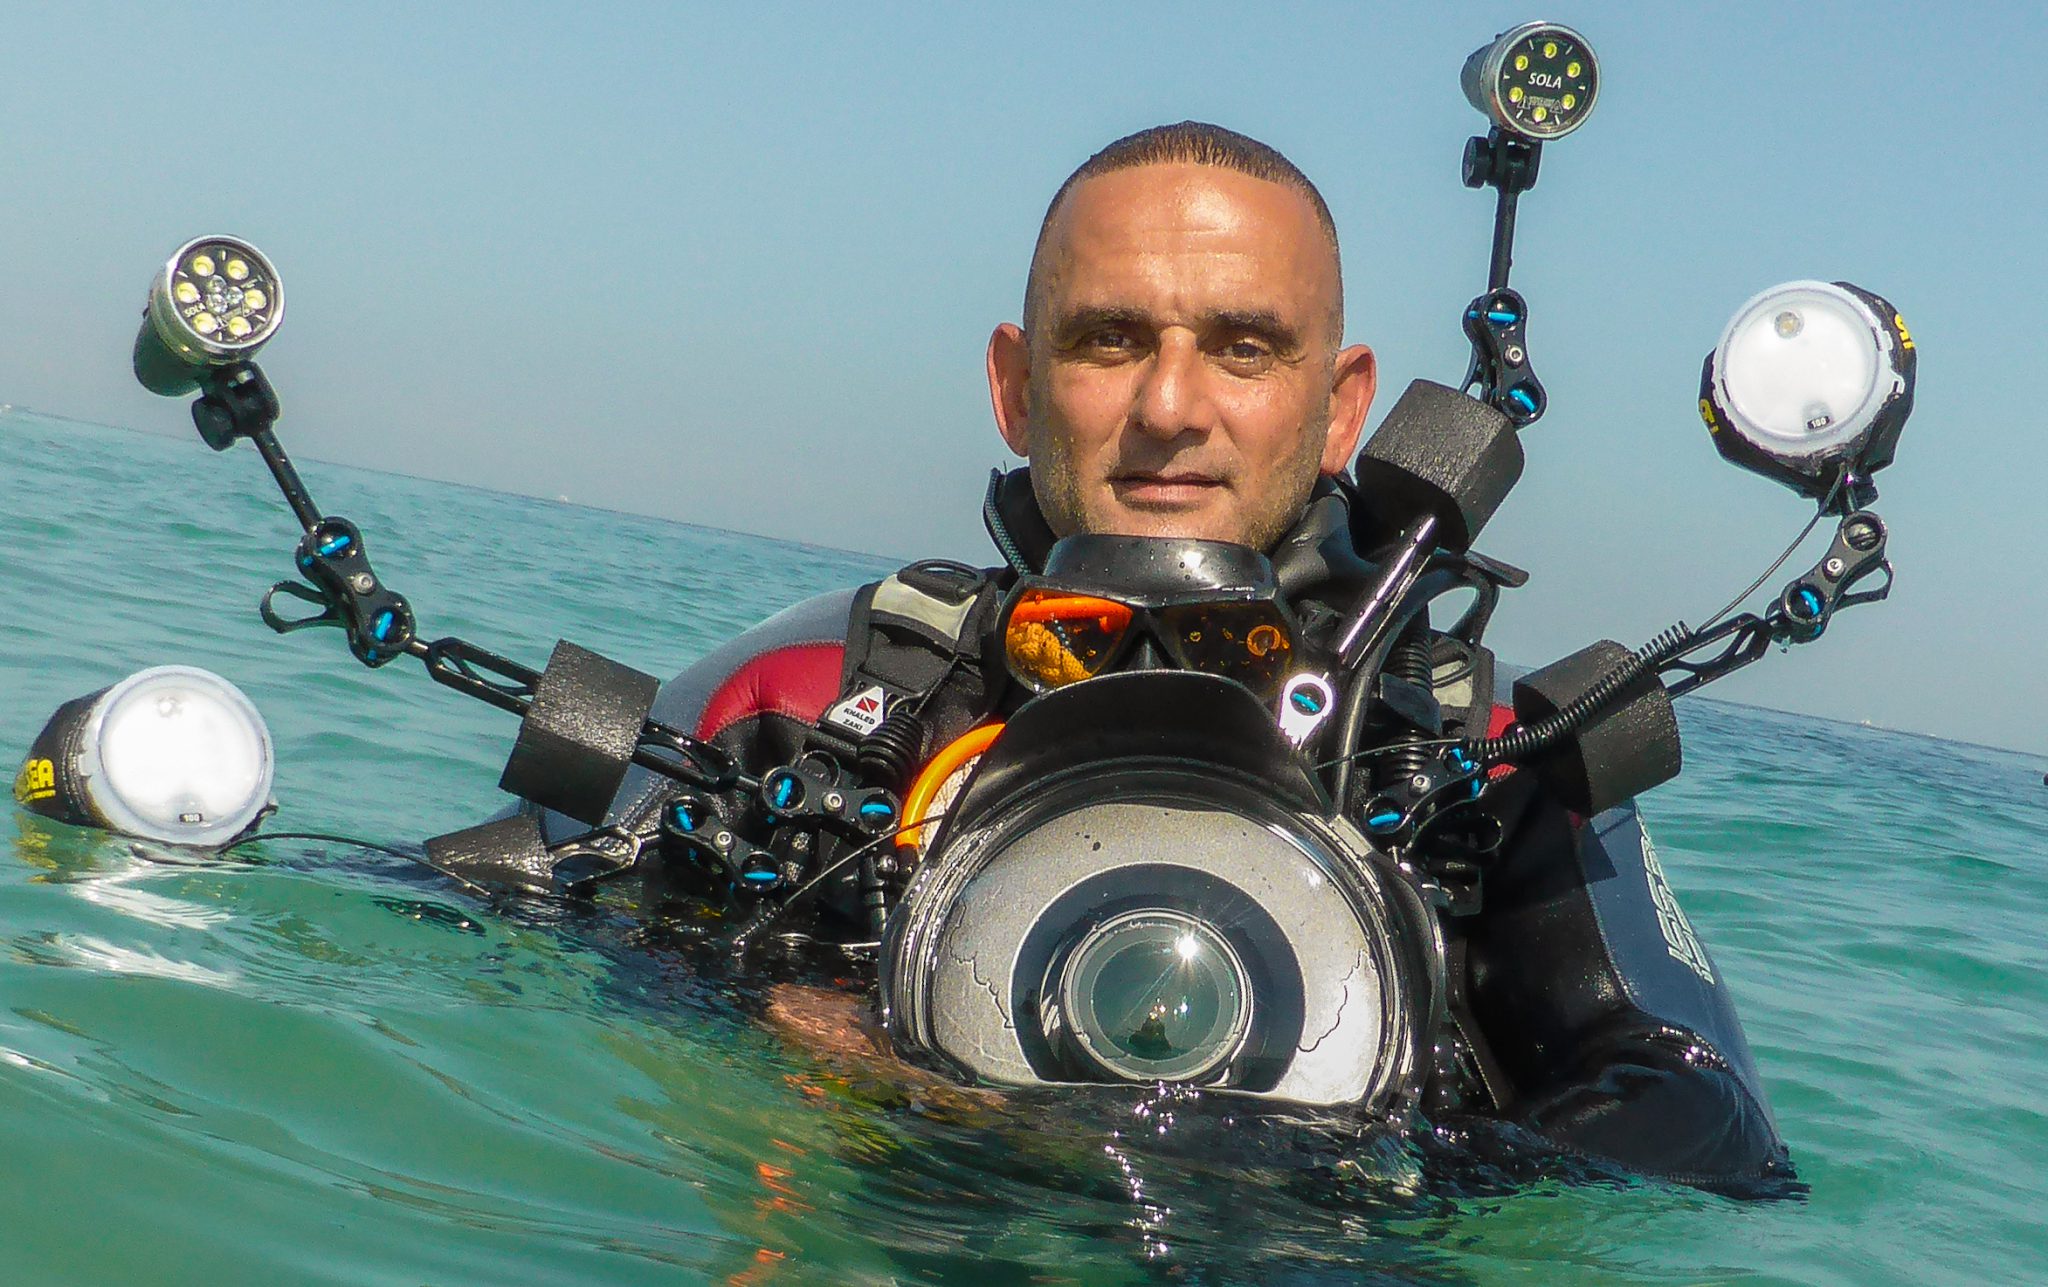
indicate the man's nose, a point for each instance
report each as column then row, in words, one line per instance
column 1173, row 398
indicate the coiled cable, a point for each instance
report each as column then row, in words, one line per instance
column 1412, row 659
column 896, row 747
column 1531, row 739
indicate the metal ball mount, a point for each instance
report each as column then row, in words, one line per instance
column 1496, row 322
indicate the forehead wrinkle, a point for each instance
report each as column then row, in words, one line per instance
column 1223, row 233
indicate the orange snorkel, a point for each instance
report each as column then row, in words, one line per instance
column 956, row 756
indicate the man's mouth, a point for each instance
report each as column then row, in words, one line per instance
column 1164, row 487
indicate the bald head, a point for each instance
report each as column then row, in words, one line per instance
column 1187, row 143
column 1180, row 369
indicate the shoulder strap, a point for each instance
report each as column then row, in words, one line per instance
column 906, row 636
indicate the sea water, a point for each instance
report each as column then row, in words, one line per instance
column 318, row 1064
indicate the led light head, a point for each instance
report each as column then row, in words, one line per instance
column 216, row 302
column 173, row 753
column 1811, row 379
column 1537, row 80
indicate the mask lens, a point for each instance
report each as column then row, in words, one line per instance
column 1054, row 638
column 1248, row 642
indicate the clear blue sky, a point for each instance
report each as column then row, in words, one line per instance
column 739, row 267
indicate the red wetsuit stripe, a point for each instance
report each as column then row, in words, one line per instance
column 799, row 681
column 1497, row 724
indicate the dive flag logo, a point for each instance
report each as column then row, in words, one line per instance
column 860, row 713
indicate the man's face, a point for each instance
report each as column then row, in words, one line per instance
column 1182, row 376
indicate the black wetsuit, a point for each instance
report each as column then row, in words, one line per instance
column 1600, row 1022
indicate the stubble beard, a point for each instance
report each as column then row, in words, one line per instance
column 1262, row 520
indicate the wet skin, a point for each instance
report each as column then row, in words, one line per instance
column 1181, row 373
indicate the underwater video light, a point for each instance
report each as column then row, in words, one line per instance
column 216, row 302
column 1537, row 80
column 172, row 753
column 1810, row 379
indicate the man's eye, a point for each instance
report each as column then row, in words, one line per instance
column 1109, row 342
column 1246, row 353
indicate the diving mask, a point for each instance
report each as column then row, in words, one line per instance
column 1109, row 603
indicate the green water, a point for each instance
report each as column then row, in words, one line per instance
column 320, row 1066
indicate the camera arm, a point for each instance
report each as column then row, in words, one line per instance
column 1800, row 613
column 237, row 401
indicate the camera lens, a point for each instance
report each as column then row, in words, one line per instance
column 1155, row 996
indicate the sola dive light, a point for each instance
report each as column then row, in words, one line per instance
column 1811, row 385
column 216, row 302
column 1535, row 82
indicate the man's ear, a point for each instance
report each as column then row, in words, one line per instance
column 1009, row 375
column 1357, row 377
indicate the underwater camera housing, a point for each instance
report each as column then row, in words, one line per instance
column 1142, row 883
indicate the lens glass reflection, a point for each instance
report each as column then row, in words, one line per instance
column 1054, row 638
column 1155, row 996
column 1248, row 642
